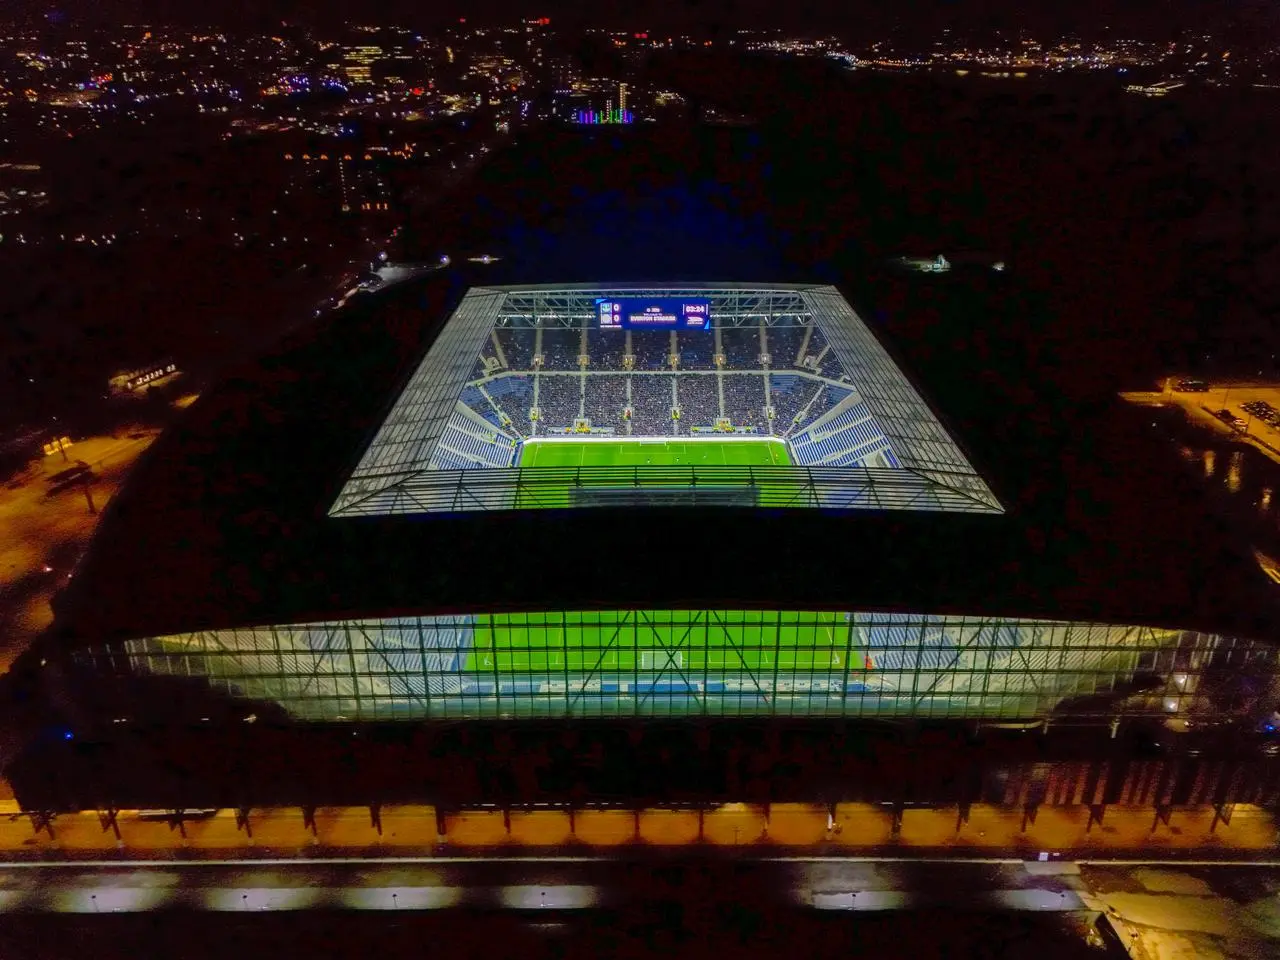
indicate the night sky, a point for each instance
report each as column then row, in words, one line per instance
column 1152, row 17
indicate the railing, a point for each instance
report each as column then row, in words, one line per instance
column 770, row 487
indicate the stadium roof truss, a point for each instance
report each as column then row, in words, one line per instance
column 403, row 471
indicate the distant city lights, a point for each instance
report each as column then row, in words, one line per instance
column 604, row 116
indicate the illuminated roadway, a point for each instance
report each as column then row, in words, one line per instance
column 1156, row 908
column 38, row 520
column 485, row 906
column 556, row 883
column 851, row 830
column 1198, row 409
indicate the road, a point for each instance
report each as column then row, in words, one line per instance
column 854, row 829
column 1206, row 911
column 558, row 883
column 1197, row 407
column 38, row 522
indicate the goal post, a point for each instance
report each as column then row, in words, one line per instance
column 661, row 659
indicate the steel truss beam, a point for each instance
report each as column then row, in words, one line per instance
column 935, row 665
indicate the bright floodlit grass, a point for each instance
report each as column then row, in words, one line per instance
column 648, row 452
column 653, row 464
column 621, row 642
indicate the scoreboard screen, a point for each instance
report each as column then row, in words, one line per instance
column 664, row 313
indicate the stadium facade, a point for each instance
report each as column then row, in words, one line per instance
column 700, row 662
column 536, row 407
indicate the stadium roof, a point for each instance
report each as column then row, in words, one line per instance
column 395, row 474
column 226, row 523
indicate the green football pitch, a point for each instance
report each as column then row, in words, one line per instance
column 624, row 467
column 674, row 642
column 651, row 452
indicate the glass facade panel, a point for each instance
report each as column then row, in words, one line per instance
column 712, row 662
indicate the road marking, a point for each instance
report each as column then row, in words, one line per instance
column 438, row 861
column 118, row 864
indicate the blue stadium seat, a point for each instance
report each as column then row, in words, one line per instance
column 513, row 395
column 852, row 438
column 665, row 686
column 785, row 382
column 461, row 447
column 905, row 646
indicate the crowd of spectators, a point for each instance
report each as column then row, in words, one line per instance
column 741, row 347
column 517, row 346
column 819, row 400
column 513, row 395
column 606, row 349
column 699, row 401
column 558, row 401
column 603, row 397
column 606, row 398
column 651, row 349
column 562, row 399
column 784, row 343
column 651, row 403
column 788, row 394
column 744, row 400
column 697, row 350
column 817, row 344
column 560, row 349
column 475, row 399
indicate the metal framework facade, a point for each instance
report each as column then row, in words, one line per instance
column 834, row 488
column 395, row 475
column 709, row 662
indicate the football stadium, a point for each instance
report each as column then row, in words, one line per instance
column 732, row 395
column 705, row 500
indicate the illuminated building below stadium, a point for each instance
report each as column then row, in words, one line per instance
column 699, row 662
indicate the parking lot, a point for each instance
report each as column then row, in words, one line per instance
column 45, row 516
column 1247, row 411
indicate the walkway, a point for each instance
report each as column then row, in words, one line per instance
column 854, row 829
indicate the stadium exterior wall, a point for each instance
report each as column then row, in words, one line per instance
column 653, row 663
